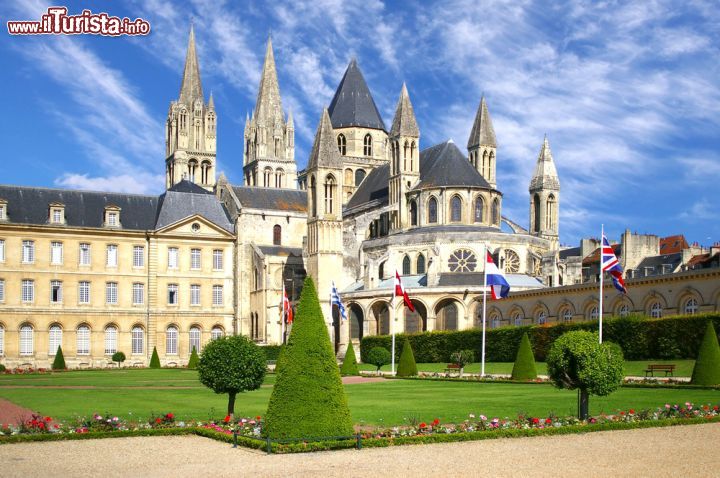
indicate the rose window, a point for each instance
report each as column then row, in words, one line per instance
column 462, row 260
column 512, row 262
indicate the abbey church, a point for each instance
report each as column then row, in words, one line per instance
column 96, row 272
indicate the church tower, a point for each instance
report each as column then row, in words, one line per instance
column 191, row 130
column 482, row 147
column 404, row 144
column 269, row 155
column 324, row 223
column 545, row 195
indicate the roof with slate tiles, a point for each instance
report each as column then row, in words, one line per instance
column 271, row 198
column 178, row 205
column 353, row 105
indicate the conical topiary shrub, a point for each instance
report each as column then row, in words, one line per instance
column 155, row 359
column 59, row 362
column 707, row 365
column 524, row 367
column 407, row 366
column 192, row 363
column 308, row 399
column 349, row 365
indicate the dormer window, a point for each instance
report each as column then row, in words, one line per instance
column 112, row 216
column 57, row 213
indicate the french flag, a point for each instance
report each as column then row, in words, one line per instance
column 401, row 292
column 499, row 287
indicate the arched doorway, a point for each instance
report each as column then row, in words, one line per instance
column 416, row 321
column 446, row 313
column 381, row 314
column 355, row 315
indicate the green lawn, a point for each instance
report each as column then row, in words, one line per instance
column 391, row 402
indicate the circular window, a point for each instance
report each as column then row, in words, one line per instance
column 195, row 227
column 462, row 260
column 512, row 262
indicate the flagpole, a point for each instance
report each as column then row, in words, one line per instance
column 602, row 235
column 392, row 331
column 282, row 315
column 482, row 360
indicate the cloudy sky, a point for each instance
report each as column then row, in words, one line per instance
column 627, row 92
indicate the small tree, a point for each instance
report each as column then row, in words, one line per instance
column 59, row 362
column 407, row 366
column 577, row 361
column 193, row 362
column 155, row 359
column 349, row 365
column 524, row 367
column 378, row 356
column 462, row 358
column 232, row 365
column 118, row 357
column 707, row 366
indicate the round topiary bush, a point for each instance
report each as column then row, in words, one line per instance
column 524, row 367
column 378, row 356
column 118, row 357
column 59, row 362
column 577, row 361
column 349, row 366
column 407, row 366
column 707, row 365
column 308, row 399
column 232, row 365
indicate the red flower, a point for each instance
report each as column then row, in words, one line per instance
column 41, row 425
column 158, row 420
column 48, row 419
column 423, row 425
column 535, row 421
column 632, row 411
column 258, row 418
column 715, row 408
column 622, row 413
column 169, row 416
column 436, row 422
column 548, row 421
column 227, row 419
column 57, row 426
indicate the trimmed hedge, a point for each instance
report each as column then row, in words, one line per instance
column 349, row 366
column 524, row 367
column 155, row 359
column 407, row 366
column 194, row 359
column 639, row 337
column 272, row 352
column 59, row 362
column 707, row 365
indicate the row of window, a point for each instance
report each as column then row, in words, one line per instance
column 82, row 344
column 456, row 210
column 367, row 144
column 111, row 293
column 278, row 175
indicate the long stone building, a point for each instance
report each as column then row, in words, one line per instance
column 99, row 272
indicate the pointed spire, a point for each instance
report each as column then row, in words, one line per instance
column 483, row 132
column 268, row 108
column 545, row 176
column 404, row 123
column 211, row 102
column 324, row 151
column 353, row 105
column 191, row 88
column 290, row 121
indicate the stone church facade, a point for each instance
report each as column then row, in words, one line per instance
column 101, row 272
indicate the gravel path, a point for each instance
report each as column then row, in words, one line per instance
column 657, row 452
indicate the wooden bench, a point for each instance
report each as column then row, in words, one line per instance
column 452, row 368
column 657, row 367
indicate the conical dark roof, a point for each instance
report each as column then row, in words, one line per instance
column 353, row 105
column 443, row 165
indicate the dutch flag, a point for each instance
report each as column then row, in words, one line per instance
column 499, row 287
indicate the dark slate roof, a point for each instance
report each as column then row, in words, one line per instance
column 176, row 206
column 570, row 252
column 461, row 278
column 29, row 205
column 353, row 105
column 281, row 251
column 186, row 186
column 444, row 165
column 657, row 262
column 269, row 198
column 374, row 187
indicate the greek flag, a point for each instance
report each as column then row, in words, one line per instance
column 335, row 300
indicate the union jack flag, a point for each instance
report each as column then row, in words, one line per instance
column 610, row 264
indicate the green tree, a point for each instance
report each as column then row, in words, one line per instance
column 577, row 361
column 232, row 365
column 707, row 365
column 378, row 356
column 59, row 362
column 118, row 357
column 194, row 359
column 308, row 399
column 407, row 366
column 155, row 359
column 349, row 365
column 524, row 367
column 462, row 358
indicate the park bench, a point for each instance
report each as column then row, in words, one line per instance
column 271, row 364
column 452, row 368
column 656, row 367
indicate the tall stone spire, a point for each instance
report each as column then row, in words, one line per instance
column 191, row 88
column 404, row 123
column 482, row 132
column 268, row 108
column 324, row 152
column 545, row 176
column 545, row 195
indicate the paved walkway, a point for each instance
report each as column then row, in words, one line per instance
column 658, row 452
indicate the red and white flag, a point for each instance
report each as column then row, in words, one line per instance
column 286, row 309
column 400, row 292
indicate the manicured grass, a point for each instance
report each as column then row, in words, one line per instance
column 388, row 402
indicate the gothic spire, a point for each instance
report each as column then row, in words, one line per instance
column 545, row 176
column 483, row 132
column 191, row 88
column 324, row 151
column 268, row 108
column 211, row 102
column 404, row 123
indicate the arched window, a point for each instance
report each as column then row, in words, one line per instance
column 359, row 176
column 624, row 310
column 456, row 209
column 313, row 196
column 490, row 166
column 541, row 317
column 593, row 313
column 550, row 213
column 342, row 144
column 110, row 339
column 656, row 310
column 171, row 340
column 381, row 271
column 484, row 170
column 517, row 318
column 496, row 211
column 406, row 147
column 367, row 145
column 329, row 194
column 2, row 340
column 83, row 340
column 348, row 177
column 479, row 209
column 432, row 211
column 536, row 213
column 567, row 315
column 406, row 265
column 55, row 339
column 216, row 333
column 195, row 339
column 420, row 266
column 205, row 171
column 691, row 306
column 192, row 170
column 279, row 178
column 267, row 175
column 412, row 156
column 277, row 235
column 138, row 340
column 26, row 340
column 413, row 213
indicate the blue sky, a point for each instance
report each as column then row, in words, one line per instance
column 627, row 92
